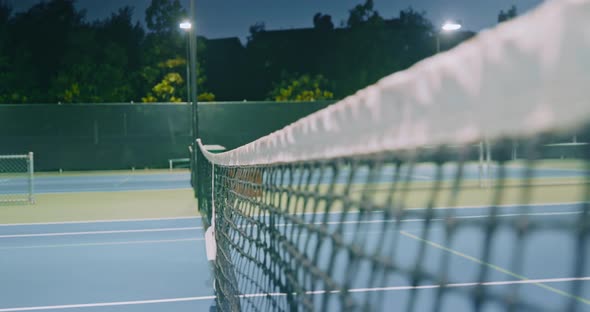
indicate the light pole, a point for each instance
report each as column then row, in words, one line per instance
column 193, row 72
column 447, row 27
column 187, row 27
column 192, row 90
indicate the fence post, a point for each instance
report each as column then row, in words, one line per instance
column 31, row 161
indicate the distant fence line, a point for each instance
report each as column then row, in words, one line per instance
column 122, row 136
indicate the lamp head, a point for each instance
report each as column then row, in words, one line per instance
column 186, row 25
column 451, row 26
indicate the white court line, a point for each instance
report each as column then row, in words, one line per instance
column 531, row 205
column 111, row 190
column 102, row 232
column 122, row 182
column 495, row 267
column 307, row 213
column 455, row 217
column 433, row 219
column 541, row 168
column 106, row 243
column 457, row 285
column 284, row 225
column 100, row 221
column 317, row 292
column 422, row 177
column 559, row 204
column 289, row 224
column 107, row 304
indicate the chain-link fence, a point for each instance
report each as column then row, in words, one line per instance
column 16, row 178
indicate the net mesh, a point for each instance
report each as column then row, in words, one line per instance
column 462, row 184
column 16, row 178
column 339, row 234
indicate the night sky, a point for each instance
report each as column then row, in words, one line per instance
column 229, row 18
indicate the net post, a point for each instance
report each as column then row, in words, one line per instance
column 480, row 165
column 30, row 160
column 488, row 160
column 514, row 150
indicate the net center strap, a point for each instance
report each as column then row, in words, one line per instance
column 210, row 242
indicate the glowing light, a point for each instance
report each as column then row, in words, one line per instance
column 450, row 26
column 186, row 25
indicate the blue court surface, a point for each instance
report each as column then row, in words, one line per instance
column 115, row 182
column 128, row 181
column 160, row 265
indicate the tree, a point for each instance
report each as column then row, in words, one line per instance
column 411, row 18
column 115, row 60
column 416, row 37
column 102, row 61
column 364, row 14
column 36, row 56
column 169, row 87
column 164, row 40
column 301, row 88
column 6, row 74
column 109, row 60
column 121, row 30
column 165, row 90
column 255, row 29
column 165, row 54
column 206, row 97
column 508, row 15
column 126, row 39
column 163, row 16
column 322, row 22
column 71, row 60
column 5, row 12
column 166, row 85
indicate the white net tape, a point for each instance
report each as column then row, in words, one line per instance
column 527, row 75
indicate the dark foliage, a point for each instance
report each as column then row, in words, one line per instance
column 51, row 53
column 508, row 14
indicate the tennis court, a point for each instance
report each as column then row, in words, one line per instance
column 156, row 264
column 118, row 181
column 159, row 265
column 343, row 210
column 377, row 203
column 109, row 181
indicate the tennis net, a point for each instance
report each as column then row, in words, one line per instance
column 375, row 203
column 16, row 178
